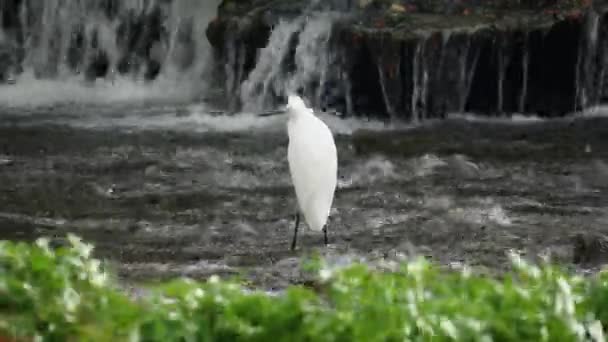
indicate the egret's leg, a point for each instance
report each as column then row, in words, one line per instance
column 325, row 234
column 295, row 232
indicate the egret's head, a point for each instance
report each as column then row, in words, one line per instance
column 295, row 102
column 295, row 105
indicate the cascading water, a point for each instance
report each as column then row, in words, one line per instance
column 445, row 38
column 587, row 90
column 420, row 82
column 163, row 40
column 189, row 46
column 466, row 74
column 268, row 74
column 502, row 64
column 313, row 58
column 388, row 69
column 97, row 40
column 387, row 101
column 403, row 72
column 415, row 80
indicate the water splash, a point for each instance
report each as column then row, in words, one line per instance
column 482, row 213
column 375, row 169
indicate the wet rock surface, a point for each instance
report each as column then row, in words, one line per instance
column 161, row 202
column 413, row 60
column 590, row 249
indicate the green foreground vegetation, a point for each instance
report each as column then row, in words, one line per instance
column 64, row 294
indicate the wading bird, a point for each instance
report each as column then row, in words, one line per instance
column 313, row 164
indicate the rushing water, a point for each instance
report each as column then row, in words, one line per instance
column 166, row 189
column 165, row 183
column 85, row 42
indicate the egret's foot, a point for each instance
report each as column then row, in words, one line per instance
column 325, row 235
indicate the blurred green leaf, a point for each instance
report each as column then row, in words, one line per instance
column 65, row 295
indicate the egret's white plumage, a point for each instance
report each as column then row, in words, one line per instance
column 313, row 163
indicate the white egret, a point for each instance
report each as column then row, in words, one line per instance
column 313, row 164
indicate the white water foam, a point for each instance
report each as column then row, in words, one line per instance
column 30, row 92
column 515, row 118
column 199, row 119
column 598, row 111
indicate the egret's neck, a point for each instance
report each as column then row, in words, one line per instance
column 299, row 113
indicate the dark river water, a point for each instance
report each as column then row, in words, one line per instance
column 173, row 190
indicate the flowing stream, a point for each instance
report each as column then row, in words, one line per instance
column 165, row 184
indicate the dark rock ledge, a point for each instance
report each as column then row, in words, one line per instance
column 423, row 59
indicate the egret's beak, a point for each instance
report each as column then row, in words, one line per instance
column 274, row 112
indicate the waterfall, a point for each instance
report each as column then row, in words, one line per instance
column 417, row 84
column 103, row 38
column 466, row 73
column 274, row 74
column 313, row 56
column 190, row 47
column 387, row 101
column 588, row 49
column 420, row 81
column 445, row 38
column 425, row 84
column 268, row 74
column 234, row 68
column 503, row 61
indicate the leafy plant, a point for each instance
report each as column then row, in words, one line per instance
column 64, row 294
